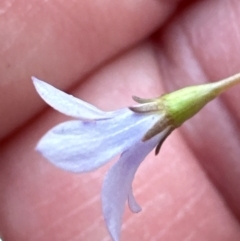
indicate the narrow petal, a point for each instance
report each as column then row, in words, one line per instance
column 118, row 182
column 68, row 104
column 132, row 203
column 84, row 146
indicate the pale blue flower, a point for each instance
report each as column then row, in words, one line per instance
column 96, row 137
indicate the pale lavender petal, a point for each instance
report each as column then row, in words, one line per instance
column 68, row 104
column 118, row 182
column 84, row 146
column 132, row 203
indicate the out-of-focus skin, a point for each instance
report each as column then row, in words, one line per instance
column 104, row 52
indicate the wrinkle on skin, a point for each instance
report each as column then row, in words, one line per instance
column 180, row 215
column 27, row 181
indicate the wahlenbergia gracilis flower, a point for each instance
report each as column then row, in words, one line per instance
column 95, row 137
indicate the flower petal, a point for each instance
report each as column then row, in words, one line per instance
column 118, row 182
column 132, row 203
column 68, row 104
column 84, row 146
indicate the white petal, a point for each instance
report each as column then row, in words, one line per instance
column 84, row 146
column 68, row 104
column 132, row 203
column 118, row 182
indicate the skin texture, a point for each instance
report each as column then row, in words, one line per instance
column 104, row 52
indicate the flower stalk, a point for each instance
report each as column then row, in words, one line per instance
column 185, row 103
